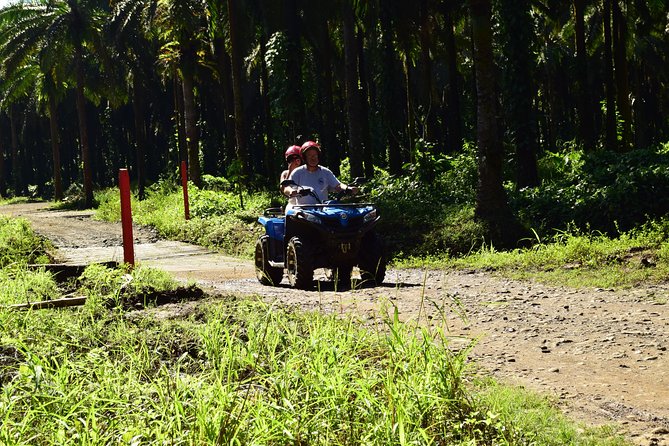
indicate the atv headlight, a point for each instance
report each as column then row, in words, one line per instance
column 369, row 216
column 310, row 218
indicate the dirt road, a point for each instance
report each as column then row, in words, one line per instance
column 601, row 354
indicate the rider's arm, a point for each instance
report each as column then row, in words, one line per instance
column 284, row 189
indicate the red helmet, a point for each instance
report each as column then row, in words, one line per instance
column 293, row 151
column 310, row 145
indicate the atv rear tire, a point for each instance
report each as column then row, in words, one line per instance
column 299, row 264
column 373, row 260
column 266, row 274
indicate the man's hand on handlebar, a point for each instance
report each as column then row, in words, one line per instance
column 300, row 191
column 350, row 190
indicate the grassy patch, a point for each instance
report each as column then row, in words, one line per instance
column 18, row 285
column 240, row 372
column 217, row 218
column 19, row 244
column 580, row 259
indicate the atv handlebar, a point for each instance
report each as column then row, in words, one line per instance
column 308, row 191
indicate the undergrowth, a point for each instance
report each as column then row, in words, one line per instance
column 574, row 258
column 242, row 372
column 217, row 219
column 19, row 244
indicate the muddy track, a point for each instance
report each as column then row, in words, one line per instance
column 600, row 354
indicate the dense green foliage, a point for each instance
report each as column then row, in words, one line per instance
column 600, row 191
column 431, row 211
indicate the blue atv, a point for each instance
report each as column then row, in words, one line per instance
column 332, row 235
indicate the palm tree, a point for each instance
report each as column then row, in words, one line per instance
column 130, row 30
column 183, row 28
column 353, row 99
column 61, row 33
column 491, row 202
column 240, row 126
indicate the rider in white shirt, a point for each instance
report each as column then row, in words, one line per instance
column 311, row 174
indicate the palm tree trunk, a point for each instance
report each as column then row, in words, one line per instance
column 585, row 112
column 294, row 69
column 621, row 73
column 428, row 98
column 3, row 180
column 411, row 124
column 240, row 125
column 611, row 121
column 389, row 94
column 192, row 138
column 491, row 201
column 268, row 145
column 517, row 34
column 55, row 149
column 182, row 144
column 225, row 72
column 16, row 167
column 323, row 59
column 353, row 109
column 364, row 98
column 453, row 119
column 140, row 134
column 83, row 131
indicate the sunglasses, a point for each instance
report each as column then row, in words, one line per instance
column 293, row 158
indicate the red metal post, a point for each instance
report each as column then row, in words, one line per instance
column 184, row 186
column 126, row 217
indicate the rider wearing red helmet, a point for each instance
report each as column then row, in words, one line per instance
column 311, row 174
column 293, row 157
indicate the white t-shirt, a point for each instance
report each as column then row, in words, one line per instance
column 322, row 181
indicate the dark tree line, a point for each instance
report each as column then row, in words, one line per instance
column 88, row 86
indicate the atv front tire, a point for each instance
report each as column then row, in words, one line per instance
column 299, row 264
column 373, row 260
column 266, row 274
column 342, row 276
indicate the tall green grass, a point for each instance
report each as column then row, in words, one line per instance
column 572, row 257
column 20, row 244
column 250, row 373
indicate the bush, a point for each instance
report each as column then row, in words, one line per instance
column 604, row 191
column 19, row 244
column 422, row 216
